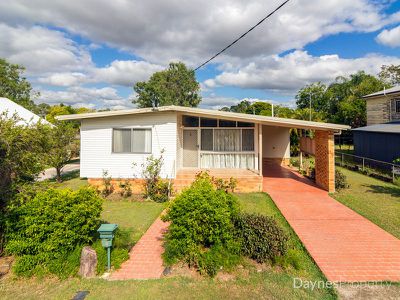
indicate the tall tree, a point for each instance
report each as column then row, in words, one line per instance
column 390, row 74
column 176, row 85
column 14, row 86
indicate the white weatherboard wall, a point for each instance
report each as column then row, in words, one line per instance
column 96, row 145
column 276, row 142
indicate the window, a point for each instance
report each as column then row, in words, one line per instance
column 397, row 102
column 135, row 140
column 227, row 123
column 247, row 140
column 122, row 140
column 189, row 121
column 245, row 124
column 204, row 122
column 227, row 140
column 207, row 140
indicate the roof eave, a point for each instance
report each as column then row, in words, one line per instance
column 204, row 112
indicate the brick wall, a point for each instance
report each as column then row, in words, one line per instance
column 325, row 160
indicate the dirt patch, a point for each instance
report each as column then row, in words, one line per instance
column 376, row 291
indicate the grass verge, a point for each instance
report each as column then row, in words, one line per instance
column 374, row 199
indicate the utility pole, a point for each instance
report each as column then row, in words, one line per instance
column 272, row 109
column 310, row 107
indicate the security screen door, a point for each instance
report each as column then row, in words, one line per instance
column 190, row 149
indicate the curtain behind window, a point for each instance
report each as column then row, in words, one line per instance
column 227, row 140
column 141, row 140
column 121, row 140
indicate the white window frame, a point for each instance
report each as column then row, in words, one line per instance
column 131, row 129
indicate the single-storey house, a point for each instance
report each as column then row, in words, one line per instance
column 193, row 139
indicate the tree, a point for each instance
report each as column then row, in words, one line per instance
column 390, row 74
column 58, row 110
column 22, row 153
column 241, row 107
column 176, row 85
column 314, row 93
column 14, row 86
column 60, row 146
column 341, row 102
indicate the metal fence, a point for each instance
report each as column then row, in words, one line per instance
column 368, row 166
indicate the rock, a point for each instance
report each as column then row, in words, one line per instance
column 5, row 265
column 88, row 265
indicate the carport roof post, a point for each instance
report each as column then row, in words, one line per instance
column 325, row 160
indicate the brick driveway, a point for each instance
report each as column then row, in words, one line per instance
column 346, row 246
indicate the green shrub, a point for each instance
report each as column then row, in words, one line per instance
column 107, row 188
column 261, row 237
column 156, row 188
column 158, row 191
column 340, row 180
column 50, row 226
column 217, row 258
column 125, row 188
column 201, row 226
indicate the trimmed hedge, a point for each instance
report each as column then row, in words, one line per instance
column 261, row 237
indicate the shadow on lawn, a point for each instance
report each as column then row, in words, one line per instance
column 379, row 189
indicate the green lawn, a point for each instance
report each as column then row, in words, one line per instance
column 134, row 216
column 374, row 199
column 70, row 180
column 273, row 282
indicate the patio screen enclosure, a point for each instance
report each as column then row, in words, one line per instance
column 218, row 143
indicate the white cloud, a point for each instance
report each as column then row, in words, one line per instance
column 63, row 79
column 390, row 37
column 294, row 70
column 42, row 50
column 88, row 97
column 125, row 72
column 160, row 31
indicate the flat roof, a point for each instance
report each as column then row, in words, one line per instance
column 392, row 127
column 393, row 90
column 211, row 113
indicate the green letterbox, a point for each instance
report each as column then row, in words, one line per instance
column 107, row 234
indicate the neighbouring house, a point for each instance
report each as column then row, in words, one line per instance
column 193, row 139
column 11, row 108
column 380, row 139
column 383, row 106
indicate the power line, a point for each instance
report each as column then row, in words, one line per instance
column 243, row 35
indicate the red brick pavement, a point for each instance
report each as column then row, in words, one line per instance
column 346, row 246
column 145, row 260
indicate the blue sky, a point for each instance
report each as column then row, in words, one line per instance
column 90, row 53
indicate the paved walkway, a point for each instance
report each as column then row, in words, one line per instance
column 346, row 246
column 145, row 260
column 51, row 173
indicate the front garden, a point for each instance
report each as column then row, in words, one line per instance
column 241, row 275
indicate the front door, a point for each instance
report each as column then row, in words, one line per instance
column 190, row 148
